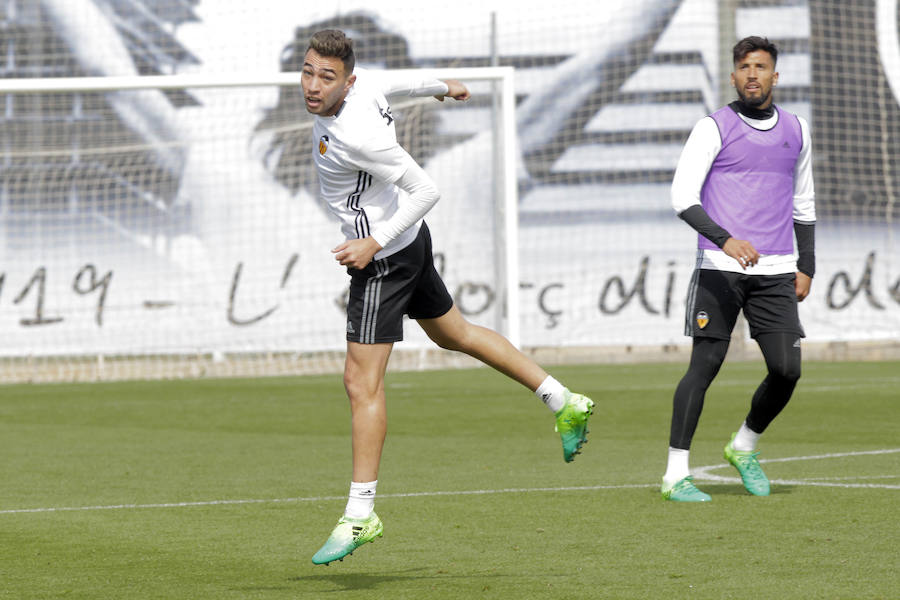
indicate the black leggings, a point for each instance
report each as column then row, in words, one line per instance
column 782, row 355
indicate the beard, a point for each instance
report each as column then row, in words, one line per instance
column 754, row 102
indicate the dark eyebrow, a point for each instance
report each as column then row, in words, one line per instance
column 332, row 71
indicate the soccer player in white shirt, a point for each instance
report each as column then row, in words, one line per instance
column 381, row 195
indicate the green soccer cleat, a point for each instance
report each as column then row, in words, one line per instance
column 348, row 535
column 571, row 423
column 755, row 481
column 684, row 491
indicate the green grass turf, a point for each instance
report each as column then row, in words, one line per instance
column 285, row 442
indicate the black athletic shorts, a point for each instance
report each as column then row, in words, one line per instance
column 716, row 297
column 405, row 282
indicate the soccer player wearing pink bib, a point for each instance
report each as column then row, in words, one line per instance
column 744, row 183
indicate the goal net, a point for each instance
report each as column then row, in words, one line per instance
column 142, row 239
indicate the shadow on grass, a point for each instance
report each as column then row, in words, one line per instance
column 367, row 581
column 737, row 489
column 342, row 582
column 363, row 581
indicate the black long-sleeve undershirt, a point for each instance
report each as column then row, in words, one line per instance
column 697, row 217
column 806, row 247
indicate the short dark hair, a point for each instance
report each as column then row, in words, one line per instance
column 335, row 44
column 752, row 44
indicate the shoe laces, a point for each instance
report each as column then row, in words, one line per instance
column 686, row 484
column 751, row 463
column 746, row 458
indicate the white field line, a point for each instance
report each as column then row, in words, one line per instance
column 818, row 386
column 699, row 473
column 329, row 498
column 879, row 486
column 832, row 455
column 703, row 473
column 856, row 477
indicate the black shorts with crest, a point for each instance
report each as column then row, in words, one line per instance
column 405, row 282
column 715, row 298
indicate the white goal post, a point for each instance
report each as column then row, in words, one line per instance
column 163, row 226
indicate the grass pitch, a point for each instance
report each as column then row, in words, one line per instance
column 224, row 489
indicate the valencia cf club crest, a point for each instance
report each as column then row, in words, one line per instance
column 702, row 319
column 323, row 145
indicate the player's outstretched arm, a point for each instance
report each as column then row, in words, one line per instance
column 455, row 90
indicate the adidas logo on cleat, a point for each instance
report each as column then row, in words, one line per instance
column 346, row 537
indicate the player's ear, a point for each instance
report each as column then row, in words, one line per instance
column 350, row 81
column 775, row 79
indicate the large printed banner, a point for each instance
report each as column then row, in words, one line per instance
column 210, row 237
column 291, row 298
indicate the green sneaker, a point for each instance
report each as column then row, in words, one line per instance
column 755, row 481
column 571, row 423
column 348, row 535
column 684, row 491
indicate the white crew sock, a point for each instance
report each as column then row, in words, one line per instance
column 361, row 502
column 677, row 467
column 552, row 393
column 746, row 439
